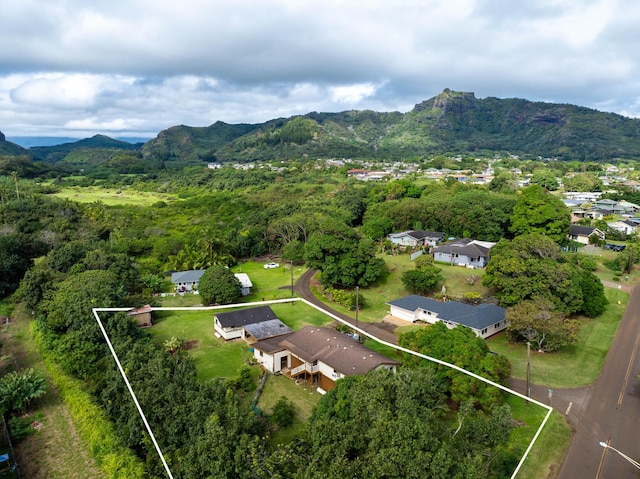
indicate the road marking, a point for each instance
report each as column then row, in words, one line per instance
column 569, row 408
column 601, row 461
column 626, row 377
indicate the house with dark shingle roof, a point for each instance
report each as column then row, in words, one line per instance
column 464, row 252
column 251, row 324
column 485, row 319
column 320, row 356
column 581, row 234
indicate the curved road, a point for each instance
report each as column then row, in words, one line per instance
column 608, row 410
column 382, row 330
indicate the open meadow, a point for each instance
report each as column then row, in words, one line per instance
column 112, row 196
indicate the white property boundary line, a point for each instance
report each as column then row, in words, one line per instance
column 333, row 316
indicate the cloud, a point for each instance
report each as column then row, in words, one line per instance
column 141, row 66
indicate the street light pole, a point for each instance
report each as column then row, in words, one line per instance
column 624, row 456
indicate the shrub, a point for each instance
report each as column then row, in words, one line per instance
column 283, row 412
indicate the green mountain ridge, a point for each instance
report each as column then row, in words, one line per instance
column 453, row 122
column 448, row 123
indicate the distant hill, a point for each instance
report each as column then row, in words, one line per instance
column 31, row 141
column 11, row 149
column 454, row 122
column 56, row 153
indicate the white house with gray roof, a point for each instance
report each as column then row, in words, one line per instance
column 464, row 252
column 485, row 319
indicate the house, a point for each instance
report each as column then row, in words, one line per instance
column 624, row 226
column 187, row 281
column 319, row 355
column 610, row 205
column 581, row 234
column 485, row 319
column 252, row 324
column 416, row 238
column 142, row 315
column 464, row 252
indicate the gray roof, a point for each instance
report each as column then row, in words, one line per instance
column 581, row 230
column 470, row 250
column 243, row 317
column 267, row 329
column 191, row 276
column 476, row 317
column 337, row 350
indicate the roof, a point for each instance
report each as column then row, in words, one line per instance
column 418, row 234
column 476, row 317
column 271, row 345
column 470, row 250
column 581, row 230
column 141, row 310
column 267, row 329
column 337, row 350
column 243, row 317
column 192, row 276
column 244, row 280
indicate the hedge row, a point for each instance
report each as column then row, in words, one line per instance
column 116, row 460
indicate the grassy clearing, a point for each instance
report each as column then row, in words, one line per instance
column 301, row 395
column 112, row 196
column 574, row 366
column 68, row 455
column 269, row 284
column 547, row 454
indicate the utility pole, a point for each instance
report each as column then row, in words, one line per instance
column 528, row 370
column 357, row 305
column 291, row 281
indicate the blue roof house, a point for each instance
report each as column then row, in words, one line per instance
column 485, row 319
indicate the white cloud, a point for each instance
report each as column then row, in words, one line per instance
column 143, row 65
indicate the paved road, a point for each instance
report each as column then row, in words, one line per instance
column 608, row 410
column 381, row 330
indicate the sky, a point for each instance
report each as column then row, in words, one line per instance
column 131, row 68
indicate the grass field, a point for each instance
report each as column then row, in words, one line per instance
column 112, row 196
column 548, row 452
column 574, row 366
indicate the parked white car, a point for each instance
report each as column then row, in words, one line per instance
column 271, row 265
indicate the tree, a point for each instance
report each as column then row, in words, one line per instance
column 17, row 390
column 536, row 321
column 219, row 285
column 459, row 346
column 531, row 266
column 537, row 211
column 423, row 280
column 582, row 182
column 284, row 412
column 344, row 257
column 546, row 179
column 595, row 301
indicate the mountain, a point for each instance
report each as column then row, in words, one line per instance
column 453, row 122
column 11, row 149
column 97, row 143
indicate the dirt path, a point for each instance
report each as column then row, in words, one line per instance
column 55, row 450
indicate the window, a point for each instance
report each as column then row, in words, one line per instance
column 260, row 353
column 484, row 330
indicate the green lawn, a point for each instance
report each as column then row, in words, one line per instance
column 301, row 395
column 269, row 284
column 574, row 366
column 548, row 452
column 112, row 196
